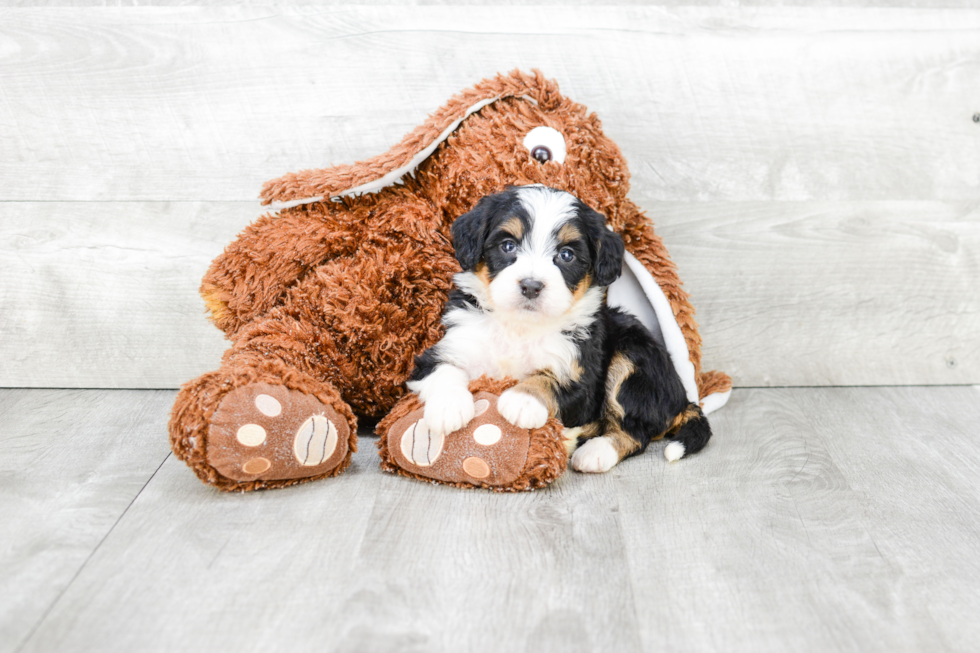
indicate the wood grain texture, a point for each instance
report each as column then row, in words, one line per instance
column 71, row 462
column 709, row 103
column 451, row 571
column 818, row 519
column 363, row 562
column 926, row 531
column 792, row 530
column 104, row 294
column 814, row 172
column 832, row 293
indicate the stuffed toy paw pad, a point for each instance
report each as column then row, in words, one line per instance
column 269, row 432
column 488, row 452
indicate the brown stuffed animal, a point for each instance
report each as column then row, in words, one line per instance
column 328, row 301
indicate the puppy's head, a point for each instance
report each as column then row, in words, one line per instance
column 535, row 251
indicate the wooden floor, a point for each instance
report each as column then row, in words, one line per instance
column 819, row 519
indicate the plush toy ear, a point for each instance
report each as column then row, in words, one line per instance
column 607, row 259
column 386, row 169
column 469, row 232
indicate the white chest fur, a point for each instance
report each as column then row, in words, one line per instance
column 480, row 343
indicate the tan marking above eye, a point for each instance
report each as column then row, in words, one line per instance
column 568, row 233
column 514, row 227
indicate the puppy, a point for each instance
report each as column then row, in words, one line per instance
column 531, row 304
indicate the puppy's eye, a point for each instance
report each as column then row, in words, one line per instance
column 546, row 144
column 567, row 255
column 508, row 247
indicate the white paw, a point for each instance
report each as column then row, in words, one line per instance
column 449, row 410
column 522, row 410
column 595, row 456
column 674, row 451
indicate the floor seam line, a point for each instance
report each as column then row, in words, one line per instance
column 37, row 626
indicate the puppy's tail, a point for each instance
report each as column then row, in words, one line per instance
column 689, row 434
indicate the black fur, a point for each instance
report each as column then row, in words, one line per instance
column 606, row 246
column 471, row 230
column 652, row 396
column 479, row 234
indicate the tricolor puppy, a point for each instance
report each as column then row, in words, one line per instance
column 531, row 304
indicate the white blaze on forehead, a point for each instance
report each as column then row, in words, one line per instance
column 549, row 210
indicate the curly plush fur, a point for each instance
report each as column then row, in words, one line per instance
column 345, row 290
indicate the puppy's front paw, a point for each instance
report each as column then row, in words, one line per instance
column 449, row 411
column 595, row 456
column 522, row 410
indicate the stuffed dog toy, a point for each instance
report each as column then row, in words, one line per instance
column 328, row 300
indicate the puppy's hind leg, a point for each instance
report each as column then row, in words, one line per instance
column 622, row 433
column 689, row 434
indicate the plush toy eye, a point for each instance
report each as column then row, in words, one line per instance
column 508, row 247
column 567, row 254
column 546, row 144
column 541, row 154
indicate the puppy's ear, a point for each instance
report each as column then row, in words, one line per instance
column 607, row 257
column 469, row 232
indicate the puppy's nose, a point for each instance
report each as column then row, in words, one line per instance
column 531, row 288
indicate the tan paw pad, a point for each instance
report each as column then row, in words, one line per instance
column 268, row 405
column 315, row 441
column 420, row 446
column 269, row 432
column 488, row 434
column 488, row 451
column 476, row 467
column 480, row 407
column 256, row 466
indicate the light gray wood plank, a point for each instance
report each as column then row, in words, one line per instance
column 912, row 455
column 445, row 570
column 105, row 294
column 714, row 103
column 843, row 293
column 193, row 568
column 71, row 462
column 770, row 540
column 364, row 562
column 818, row 519
column 787, row 293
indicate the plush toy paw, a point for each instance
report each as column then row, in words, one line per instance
column 488, row 452
column 269, row 432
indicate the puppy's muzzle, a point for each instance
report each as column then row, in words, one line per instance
column 531, row 288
